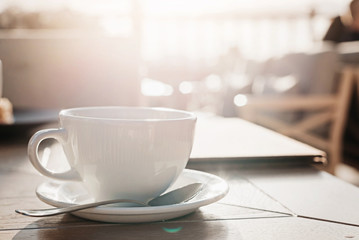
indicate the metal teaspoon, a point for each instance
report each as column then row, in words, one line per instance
column 176, row 196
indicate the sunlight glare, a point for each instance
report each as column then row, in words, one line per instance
column 154, row 88
column 213, row 83
column 115, row 26
column 285, row 83
column 186, row 87
column 240, row 100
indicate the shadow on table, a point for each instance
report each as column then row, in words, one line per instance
column 70, row 227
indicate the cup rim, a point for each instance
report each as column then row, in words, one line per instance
column 70, row 113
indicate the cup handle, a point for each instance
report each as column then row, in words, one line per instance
column 61, row 136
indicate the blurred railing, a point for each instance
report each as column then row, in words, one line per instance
column 200, row 51
column 207, row 37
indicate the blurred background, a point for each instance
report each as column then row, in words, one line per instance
column 264, row 61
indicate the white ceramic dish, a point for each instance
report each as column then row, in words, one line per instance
column 61, row 194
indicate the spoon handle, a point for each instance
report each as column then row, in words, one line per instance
column 179, row 195
column 57, row 211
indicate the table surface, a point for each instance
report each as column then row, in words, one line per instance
column 279, row 201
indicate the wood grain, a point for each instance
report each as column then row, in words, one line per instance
column 256, row 206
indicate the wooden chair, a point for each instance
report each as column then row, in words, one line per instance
column 314, row 111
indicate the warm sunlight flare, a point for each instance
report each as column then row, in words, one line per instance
column 240, row 100
column 153, row 88
column 179, row 119
column 202, row 30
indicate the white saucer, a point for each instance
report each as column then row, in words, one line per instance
column 62, row 194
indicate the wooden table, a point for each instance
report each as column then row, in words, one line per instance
column 291, row 200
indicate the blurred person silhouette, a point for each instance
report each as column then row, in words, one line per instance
column 345, row 28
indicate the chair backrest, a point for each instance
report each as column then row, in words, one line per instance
column 328, row 87
column 315, row 73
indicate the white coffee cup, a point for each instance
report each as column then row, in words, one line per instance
column 121, row 152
